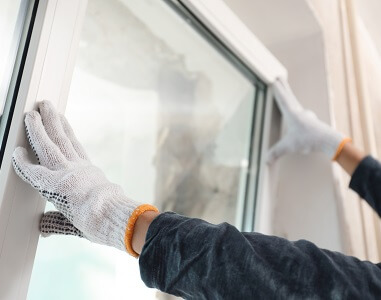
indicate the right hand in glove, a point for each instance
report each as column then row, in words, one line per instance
column 88, row 204
column 305, row 132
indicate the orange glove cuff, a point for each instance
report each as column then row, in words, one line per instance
column 131, row 226
column 341, row 147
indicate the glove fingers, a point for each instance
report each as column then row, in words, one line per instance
column 54, row 222
column 70, row 134
column 47, row 152
column 36, row 176
column 29, row 172
column 54, row 129
column 279, row 149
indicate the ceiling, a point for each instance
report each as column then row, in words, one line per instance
column 291, row 19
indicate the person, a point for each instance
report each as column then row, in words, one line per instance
column 189, row 257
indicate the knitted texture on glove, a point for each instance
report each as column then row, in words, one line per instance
column 93, row 206
column 305, row 132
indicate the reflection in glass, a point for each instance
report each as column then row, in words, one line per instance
column 167, row 117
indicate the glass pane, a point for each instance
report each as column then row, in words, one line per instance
column 167, row 117
column 250, row 197
column 12, row 19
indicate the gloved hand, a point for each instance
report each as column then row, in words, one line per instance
column 305, row 132
column 88, row 204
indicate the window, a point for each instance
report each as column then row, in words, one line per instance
column 15, row 25
column 169, row 114
column 124, row 98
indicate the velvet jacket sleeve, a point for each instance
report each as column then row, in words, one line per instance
column 366, row 181
column 194, row 259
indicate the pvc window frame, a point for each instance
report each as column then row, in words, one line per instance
column 47, row 71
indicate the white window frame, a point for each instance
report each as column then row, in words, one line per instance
column 47, row 75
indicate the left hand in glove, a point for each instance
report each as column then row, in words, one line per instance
column 88, row 204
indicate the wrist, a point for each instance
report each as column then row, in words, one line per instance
column 137, row 226
column 333, row 141
column 141, row 227
column 113, row 223
column 341, row 147
column 349, row 158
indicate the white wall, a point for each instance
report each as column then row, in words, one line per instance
column 369, row 12
column 305, row 202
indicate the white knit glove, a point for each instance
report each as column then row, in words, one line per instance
column 88, row 204
column 305, row 132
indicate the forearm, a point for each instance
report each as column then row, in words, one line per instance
column 196, row 260
column 366, row 175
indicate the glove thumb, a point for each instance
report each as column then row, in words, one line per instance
column 279, row 149
column 54, row 222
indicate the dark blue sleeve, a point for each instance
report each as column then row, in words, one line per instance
column 193, row 259
column 366, row 181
